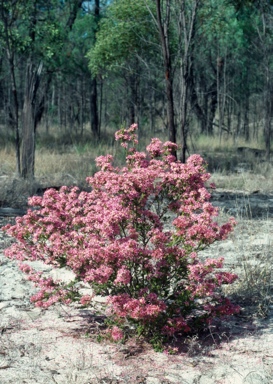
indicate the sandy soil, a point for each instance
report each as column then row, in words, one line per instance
column 58, row 345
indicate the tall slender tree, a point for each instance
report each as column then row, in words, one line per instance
column 163, row 15
column 33, row 33
column 94, row 93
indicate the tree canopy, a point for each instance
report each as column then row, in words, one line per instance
column 189, row 67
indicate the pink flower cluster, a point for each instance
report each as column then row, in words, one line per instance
column 127, row 135
column 116, row 334
column 144, row 308
column 50, row 291
column 134, row 238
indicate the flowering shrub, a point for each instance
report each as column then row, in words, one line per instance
column 135, row 239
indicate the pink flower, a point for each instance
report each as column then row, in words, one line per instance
column 123, row 276
column 117, row 334
column 154, row 148
column 86, row 300
column 100, row 275
column 105, row 162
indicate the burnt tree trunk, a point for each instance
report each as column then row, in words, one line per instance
column 94, row 109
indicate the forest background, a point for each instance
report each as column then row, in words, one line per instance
column 199, row 73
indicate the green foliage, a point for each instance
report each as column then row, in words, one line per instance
column 242, row 5
column 126, row 31
column 39, row 29
column 80, row 39
column 219, row 26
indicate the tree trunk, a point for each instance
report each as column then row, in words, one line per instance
column 268, row 119
column 200, row 113
column 15, row 117
column 94, row 109
column 151, row 109
column 246, row 119
column 221, row 93
column 131, row 99
column 94, row 114
column 184, row 111
column 187, row 33
column 28, row 121
column 14, row 112
column 164, row 37
column 28, row 140
column 212, row 107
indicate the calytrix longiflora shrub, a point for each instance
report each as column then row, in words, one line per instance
column 134, row 238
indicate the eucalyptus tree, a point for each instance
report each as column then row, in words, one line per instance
column 162, row 20
column 263, row 45
column 142, row 34
column 187, row 26
column 125, row 48
column 218, row 53
column 208, row 60
column 76, row 93
column 33, row 33
column 12, row 42
column 258, row 17
column 94, row 93
column 176, row 22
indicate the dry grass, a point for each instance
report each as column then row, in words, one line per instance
column 253, row 244
column 7, row 161
column 227, row 143
column 73, row 164
column 245, row 181
column 59, row 150
column 248, row 253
